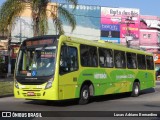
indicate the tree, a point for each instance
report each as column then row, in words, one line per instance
column 11, row 9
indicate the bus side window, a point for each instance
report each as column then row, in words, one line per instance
column 131, row 60
column 119, row 59
column 141, row 61
column 150, row 63
column 93, row 56
column 88, row 56
column 105, row 57
column 68, row 59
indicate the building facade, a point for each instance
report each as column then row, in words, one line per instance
column 118, row 25
column 150, row 36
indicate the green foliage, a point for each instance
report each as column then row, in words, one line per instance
column 6, row 88
column 1, row 60
column 11, row 9
column 8, row 13
column 2, row 66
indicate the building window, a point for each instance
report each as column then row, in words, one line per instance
column 158, row 38
column 144, row 36
column 149, row 36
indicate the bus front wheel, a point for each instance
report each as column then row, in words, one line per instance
column 84, row 95
column 135, row 89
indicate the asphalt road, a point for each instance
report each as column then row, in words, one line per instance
column 149, row 100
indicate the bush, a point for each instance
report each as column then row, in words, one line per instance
column 3, row 68
column 6, row 88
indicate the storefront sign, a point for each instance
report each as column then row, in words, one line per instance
column 125, row 20
column 156, row 58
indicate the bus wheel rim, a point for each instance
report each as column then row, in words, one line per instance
column 136, row 90
column 85, row 94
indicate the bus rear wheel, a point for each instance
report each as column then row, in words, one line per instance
column 84, row 95
column 135, row 89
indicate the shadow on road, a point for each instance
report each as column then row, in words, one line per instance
column 63, row 103
column 121, row 95
column 110, row 97
column 73, row 102
column 147, row 91
column 152, row 106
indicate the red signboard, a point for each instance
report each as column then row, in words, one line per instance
column 39, row 42
column 157, row 58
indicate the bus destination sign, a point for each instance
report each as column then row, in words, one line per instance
column 39, row 42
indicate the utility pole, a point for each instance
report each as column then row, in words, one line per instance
column 128, row 36
column 20, row 36
column 9, row 55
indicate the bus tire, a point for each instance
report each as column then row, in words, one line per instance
column 135, row 89
column 84, row 95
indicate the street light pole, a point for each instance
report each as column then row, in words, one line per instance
column 128, row 34
column 20, row 36
column 9, row 55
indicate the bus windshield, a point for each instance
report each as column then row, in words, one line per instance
column 36, row 61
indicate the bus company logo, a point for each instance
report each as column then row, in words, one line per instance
column 100, row 76
column 6, row 114
column 125, row 76
column 21, row 114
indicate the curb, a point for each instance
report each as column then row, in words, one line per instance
column 9, row 95
column 6, row 79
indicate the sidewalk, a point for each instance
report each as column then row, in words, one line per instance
column 158, row 82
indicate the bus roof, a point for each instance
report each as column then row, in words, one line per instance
column 102, row 44
column 42, row 37
column 98, row 43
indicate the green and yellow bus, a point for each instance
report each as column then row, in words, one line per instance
column 54, row 67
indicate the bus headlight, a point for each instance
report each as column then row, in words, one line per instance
column 16, row 85
column 49, row 84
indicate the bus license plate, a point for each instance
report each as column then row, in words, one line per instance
column 30, row 94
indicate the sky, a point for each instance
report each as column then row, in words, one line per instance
column 147, row 7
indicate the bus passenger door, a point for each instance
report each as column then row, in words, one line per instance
column 68, row 71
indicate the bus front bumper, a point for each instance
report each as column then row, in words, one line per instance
column 49, row 94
